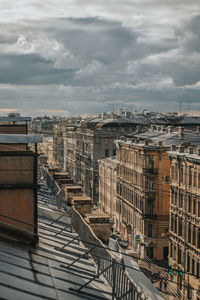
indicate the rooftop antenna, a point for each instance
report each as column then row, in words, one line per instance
column 180, row 106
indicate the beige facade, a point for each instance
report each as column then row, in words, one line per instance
column 84, row 144
column 107, row 187
column 184, row 254
column 143, row 197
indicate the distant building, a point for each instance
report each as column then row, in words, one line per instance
column 143, row 187
column 143, row 197
column 83, row 144
column 184, row 234
column 107, row 186
column 18, row 186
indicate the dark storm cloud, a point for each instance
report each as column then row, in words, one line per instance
column 82, row 57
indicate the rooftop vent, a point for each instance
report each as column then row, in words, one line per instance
column 181, row 149
column 173, row 147
column 170, row 129
column 190, row 150
column 181, row 131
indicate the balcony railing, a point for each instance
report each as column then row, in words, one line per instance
column 150, row 194
column 149, row 216
column 152, row 171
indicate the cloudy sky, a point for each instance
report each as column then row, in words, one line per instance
column 83, row 56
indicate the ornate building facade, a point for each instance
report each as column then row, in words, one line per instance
column 143, row 196
column 184, row 234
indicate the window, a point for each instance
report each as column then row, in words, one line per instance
column 114, row 152
column 198, row 240
column 180, row 226
column 172, row 174
column 194, row 205
column 150, row 162
column 172, row 222
column 150, row 207
column 188, row 263
column 180, row 199
column 106, row 152
column 174, row 254
column 197, row 270
column 198, row 208
column 150, row 230
column 195, row 178
column 193, row 264
column 194, row 236
column 179, row 255
column 181, row 174
column 189, row 233
column 190, row 176
column 189, row 203
column 175, row 223
column 199, row 180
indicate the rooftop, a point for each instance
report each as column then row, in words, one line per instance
column 20, row 139
column 44, row 271
column 15, row 119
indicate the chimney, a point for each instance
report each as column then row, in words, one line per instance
column 154, row 127
column 138, row 129
column 158, row 128
column 173, row 148
column 170, row 129
column 103, row 115
column 190, row 150
column 137, row 141
column 120, row 111
column 162, row 128
column 113, row 115
column 181, row 131
column 181, row 149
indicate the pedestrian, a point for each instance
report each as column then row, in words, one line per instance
column 161, row 283
column 165, row 285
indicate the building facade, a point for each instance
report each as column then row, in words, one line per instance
column 107, row 187
column 143, row 197
column 184, row 234
column 87, row 142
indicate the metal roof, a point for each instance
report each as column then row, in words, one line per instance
column 168, row 138
column 43, row 272
column 20, row 139
column 15, row 119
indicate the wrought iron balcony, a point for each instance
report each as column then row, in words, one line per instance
column 149, row 216
column 152, row 171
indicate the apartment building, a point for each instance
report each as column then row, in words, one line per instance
column 184, row 233
column 87, row 142
column 143, row 187
column 143, row 196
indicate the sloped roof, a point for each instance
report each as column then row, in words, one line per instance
column 43, row 272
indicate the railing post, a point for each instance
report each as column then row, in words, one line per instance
column 114, row 279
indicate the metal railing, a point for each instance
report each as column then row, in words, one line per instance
column 122, row 286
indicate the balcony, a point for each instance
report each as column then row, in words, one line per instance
column 152, row 171
column 149, row 216
column 150, row 194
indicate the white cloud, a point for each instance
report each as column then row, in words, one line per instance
column 92, row 68
column 76, row 50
